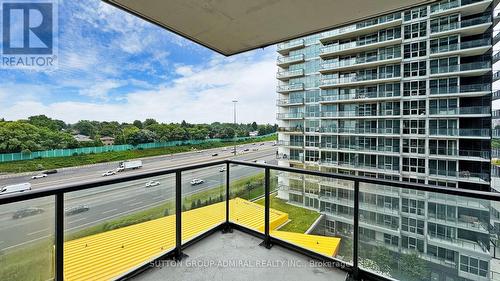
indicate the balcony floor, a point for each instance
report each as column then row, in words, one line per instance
column 257, row 263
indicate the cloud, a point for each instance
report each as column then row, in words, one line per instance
column 100, row 90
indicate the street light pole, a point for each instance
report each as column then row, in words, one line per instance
column 235, row 134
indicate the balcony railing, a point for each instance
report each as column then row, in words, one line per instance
column 329, row 64
column 293, row 115
column 461, row 67
column 289, row 73
column 335, row 130
column 128, row 249
column 447, row 5
column 291, row 129
column 290, row 44
column 466, row 110
column 460, row 132
column 354, row 44
column 285, row 102
column 461, row 46
column 282, row 60
column 461, row 24
column 353, row 79
column 290, row 87
column 473, row 88
column 290, row 143
column 483, row 154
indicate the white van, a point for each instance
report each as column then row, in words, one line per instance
column 15, row 188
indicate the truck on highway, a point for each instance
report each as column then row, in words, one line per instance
column 15, row 188
column 129, row 165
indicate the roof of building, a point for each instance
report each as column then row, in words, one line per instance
column 113, row 253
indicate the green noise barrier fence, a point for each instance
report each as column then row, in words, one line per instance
column 8, row 157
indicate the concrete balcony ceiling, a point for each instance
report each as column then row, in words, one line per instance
column 234, row 26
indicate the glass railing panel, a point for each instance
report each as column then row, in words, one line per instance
column 316, row 213
column 245, row 188
column 113, row 229
column 409, row 233
column 27, row 240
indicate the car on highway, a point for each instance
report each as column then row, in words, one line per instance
column 222, row 169
column 152, row 183
column 255, row 149
column 20, row 187
column 215, row 154
column 120, row 169
column 197, row 181
column 76, row 210
column 262, row 144
column 109, row 173
column 39, row 176
column 27, row 212
column 246, row 149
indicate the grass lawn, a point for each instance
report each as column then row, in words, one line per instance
column 87, row 159
column 300, row 218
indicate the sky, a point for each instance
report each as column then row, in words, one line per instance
column 116, row 67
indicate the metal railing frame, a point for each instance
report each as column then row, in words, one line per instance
column 227, row 225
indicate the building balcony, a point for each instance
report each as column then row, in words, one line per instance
column 299, row 130
column 287, row 74
column 285, row 47
column 291, row 143
column 459, row 243
column 464, row 7
column 467, row 176
column 469, row 90
column 361, row 131
column 496, row 76
column 467, row 27
column 357, row 47
column 464, row 49
column 289, row 102
column 365, row 27
column 478, row 155
column 329, row 66
column 464, row 69
column 360, row 114
column 463, row 133
column 468, row 111
column 361, row 149
column 284, row 61
column 360, row 97
column 356, row 80
column 290, row 116
column 290, row 88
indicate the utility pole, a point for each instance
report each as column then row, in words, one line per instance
column 235, row 134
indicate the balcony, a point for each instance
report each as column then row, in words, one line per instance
column 469, row 90
column 289, row 102
column 361, row 28
column 464, row 69
column 291, row 143
column 360, row 97
column 290, row 88
column 462, row 133
column 287, row 74
column 467, row 27
column 297, row 129
column 464, row 7
column 479, row 155
column 469, row 111
column 464, row 49
column 357, row 46
column 284, row 61
column 468, row 176
column 149, row 242
column 359, row 113
column 290, row 116
column 285, row 47
column 495, row 95
column 356, row 80
column 361, row 131
column 329, row 66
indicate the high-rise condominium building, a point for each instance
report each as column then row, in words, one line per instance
column 405, row 97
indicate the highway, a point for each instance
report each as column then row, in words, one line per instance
column 112, row 201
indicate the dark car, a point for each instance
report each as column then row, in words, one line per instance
column 246, row 149
column 215, row 154
column 27, row 213
column 76, row 210
column 49, row 172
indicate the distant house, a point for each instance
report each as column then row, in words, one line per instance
column 107, row 140
column 254, row 133
column 82, row 138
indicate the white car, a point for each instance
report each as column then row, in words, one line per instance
column 222, row 169
column 152, row 183
column 109, row 173
column 39, row 176
column 197, row 181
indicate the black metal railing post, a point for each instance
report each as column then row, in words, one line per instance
column 267, row 240
column 355, row 244
column 59, row 237
column 227, row 227
column 178, row 215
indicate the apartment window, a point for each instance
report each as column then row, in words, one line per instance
column 439, row 252
column 442, row 183
column 414, row 127
column 441, row 231
column 416, row 68
column 413, row 206
column 388, row 52
column 443, row 147
column 444, row 65
column 389, row 71
column 329, row 141
column 442, row 167
column 312, row 156
column 473, row 266
column 412, row 243
column 312, row 110
column 415, row 30
column 295, row 198
column 444, row 23
column 312, row 96
column 312, row 141
column 366, row 233
column 414, row 165
column 388, row 144
column 443, row 106
column 442, row 212
column 311, row 202
column 443, row 86
column 330, row 226
column 389, row 126
column 389, row 90
column 443, row 127
column 412, row 225
column 328, row 157
column 389, row 108
column 415, row 13
column 414, row 146
column 444, row 44
column 415, row 49
column 414, row 88
column 414, row 107
column 389, row 34
column 388, row 162
column 312, row 125
column 391, row 240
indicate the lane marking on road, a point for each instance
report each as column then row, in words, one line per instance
column 109, row 211
column 80, row 219
column 24, row 243
column 38, row 231
column 135, row 204
column 128, row 201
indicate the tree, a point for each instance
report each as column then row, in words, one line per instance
column 138, row 124
column 142, row 136
column 383, row 257
column 85, row 127
column 148, row 122
column 413, row 267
